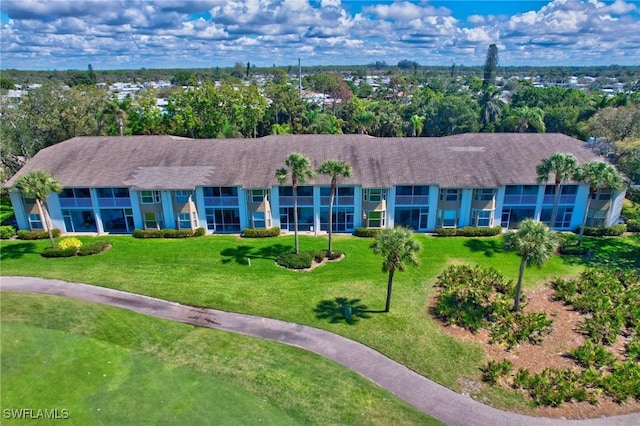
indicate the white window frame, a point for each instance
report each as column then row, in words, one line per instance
column 446, row 194
column 35, row 221
column 149, row 197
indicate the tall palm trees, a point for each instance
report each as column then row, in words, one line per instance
column 39, row 184
column 335, row 169
column 300, row 168
column 398, row 249
column 535, row 243
column 563, row 167
column 596, row 174
column 525, row 119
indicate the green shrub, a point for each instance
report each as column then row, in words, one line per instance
column 261, row 232
column 320, row 255
column 291, row 260
column 633, row 225
column 164, row 233
column 94, row 247
column 590, row 354
column 59, row 252
column 199, row 232
column 573, row 250
column 7, row 231
column 367, row 232
column 69, row 242
column 496, row 369
column 469, row 231
column 609, row 231
column 37, row 235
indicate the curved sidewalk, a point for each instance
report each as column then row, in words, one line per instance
column 429, row 397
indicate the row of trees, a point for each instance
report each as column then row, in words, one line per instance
column 51, row 114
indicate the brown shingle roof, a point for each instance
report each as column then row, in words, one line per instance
column 472, row 160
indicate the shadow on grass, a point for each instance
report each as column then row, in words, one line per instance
column 487, row 246
column 242, row 253
column 609, row 253
column 16, row 251
column 342, row 309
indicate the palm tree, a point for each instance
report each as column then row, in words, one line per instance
column 491, row 108
column 39, row 184
column 398, row 248
column 301, row 171
column 596, row 174
column 524, row 118
column 535, row 242
column 563, row 166
column 333, row 168
column 417, row 124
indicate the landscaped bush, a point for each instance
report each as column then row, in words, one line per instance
column 291, row 260
column 633, row 225
column 469, row 231
column 59, row 252
column 7, row 231
column 199, row 232
column 37, row 235
column 261, row 232
column 494, row 370
column 167, row 233
column 573, row 250
column 367, row 232
column 68, row 243
column 321, row 254
column 591, row 355
column 609, row 231
column 94, row 247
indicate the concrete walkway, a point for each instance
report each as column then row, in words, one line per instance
column 429, row 397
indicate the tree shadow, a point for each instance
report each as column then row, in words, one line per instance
column 342, row 309
column 609, row 253
column 487, row 246
column 273, row 251
column 16, row 251
column 239, row 254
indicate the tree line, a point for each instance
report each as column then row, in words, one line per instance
column 407, row 106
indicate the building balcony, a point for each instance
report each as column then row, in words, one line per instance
column 75, row 202
column 302, row 201
column 338, row 201
column 412, row 200
column 520, row 199
column 221, row 201
column 114, row 202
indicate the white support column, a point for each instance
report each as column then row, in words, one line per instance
column 582, row 196
column 357, row 206
column 617, row 199
column 274, row 202
column 539, row 201
column 242, row 207
column 434, row 192
column 22, row 218
column 138, row 220
column 55, row 212
column 316, row 209
column 465, row 207
column 497, row 214
column 202, row 213
column 167, row 209
column 97, row 216
column 391, row 207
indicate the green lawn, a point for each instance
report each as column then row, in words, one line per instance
column 110, row 366
column 214, row 272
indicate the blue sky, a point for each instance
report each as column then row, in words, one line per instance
column 116, row 34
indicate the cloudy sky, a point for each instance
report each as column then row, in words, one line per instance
column 131, row 34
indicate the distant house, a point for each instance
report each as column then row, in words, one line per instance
column 117, row 184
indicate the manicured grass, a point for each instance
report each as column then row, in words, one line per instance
column 215, row 272
column 110, row 366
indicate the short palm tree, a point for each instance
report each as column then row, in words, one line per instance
column 596, row 174
column 39, row 184
column 563, row 167
column 300, row 167
column 535, row 242
column 398, row 249
column 335, row 169
column 417, row 124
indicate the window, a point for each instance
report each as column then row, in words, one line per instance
column 415, row 218
column 448, row 194
column 563, row 216
column 35, row 222
column 182, row 196
column 484, row 194
column 521, row 194
column 481, row 218
column 375, row 219
column 150, row 197
column 183, row 221
column 75, row 193
column 447, row 218
column 153, row 220
column 258, row 220
column 259, row 195
column 374, row 195
column 223, row 220
column 597, row 218
column 221, row 191
column 602, row 194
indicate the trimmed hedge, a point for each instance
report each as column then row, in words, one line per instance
column 321, row 254
column 610, row 231
column 261, row 232
column 367, row 232
column 94, row 247
column 37, row 235
column 7, row 231
column 167, row 233
column 573, row 250
column 469, row 231
column 291, row 260
column 633, row 225
column 59, row 252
